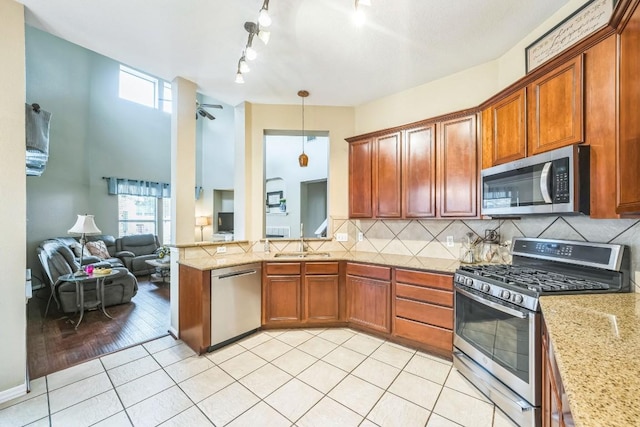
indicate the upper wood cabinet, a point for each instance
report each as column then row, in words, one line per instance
column 555, row 108
column 458, row 167
column 387, row 177
column 628, row 181
column 504, row 130
column 419, row 173
column 360, row 162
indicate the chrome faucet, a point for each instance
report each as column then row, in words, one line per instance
column 301, row 244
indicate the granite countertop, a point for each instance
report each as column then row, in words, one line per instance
column 596, row 339
column 421, row 263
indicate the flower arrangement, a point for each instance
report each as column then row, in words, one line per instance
column 163, row 251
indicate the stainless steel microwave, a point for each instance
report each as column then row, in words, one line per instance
column 555, row 182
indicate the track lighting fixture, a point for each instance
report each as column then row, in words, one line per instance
column 250, row 53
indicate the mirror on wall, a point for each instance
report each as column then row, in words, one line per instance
column 294, row 194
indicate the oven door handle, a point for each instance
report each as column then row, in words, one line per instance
column 499, row 307
column 545, row 184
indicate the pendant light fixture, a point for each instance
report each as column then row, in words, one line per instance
column 303, row 159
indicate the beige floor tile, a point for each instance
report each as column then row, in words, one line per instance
column 188, row 367
column 192, row 417
column 317, row 347
column 159, row 408
column 368, row 423
column 392, row 355
column 456, row 381
column 225, row 353
column 42, row 422
column 362, row 344
column 132, row 370
column 173, row 354
column 501, row 420
column 356, row 394
column 344, row 358
column 263, row 381
column 161, row 344
column 254, row 340
column 274, row 332
column 121, row 357
column 73, row 374
column 294, row 361
column 38, row 387
column 78, row 391
column 336, row 336
column 88, row 412
column 329, row 413
column 464, row 409
column 376, row 372
column 205, row 384
column 315, row 331
column 428, row 368
column 228, row 403
column 25, row 412
column 271, row 349
column 118, row 420
column 295, row 337
column 434, row 357
column 416, row 389
column 436, row 420
column 144, row 387
column 242, row 365
column 293, row 399
column 392, row 411
column 322, row 376
column 260, row 415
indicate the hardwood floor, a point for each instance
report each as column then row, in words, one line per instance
column 55, row 344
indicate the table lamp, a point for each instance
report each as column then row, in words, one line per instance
column 202, row 221
column 84, row 225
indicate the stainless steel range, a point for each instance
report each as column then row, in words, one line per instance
column 497, row 314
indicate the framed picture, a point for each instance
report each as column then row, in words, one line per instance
column 589, row 18
column 273, row 198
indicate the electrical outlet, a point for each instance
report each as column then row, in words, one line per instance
column 450, row 241
column 221, row 250
column 360, row 236
column 342, row 237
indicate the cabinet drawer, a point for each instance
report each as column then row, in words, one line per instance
column 282, row 268
column 321, row 268
column 434, row 296
column 420, row 278
column 427, row 334
column 371, row 271
column 427, row 313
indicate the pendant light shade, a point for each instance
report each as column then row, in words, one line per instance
column 303, row 159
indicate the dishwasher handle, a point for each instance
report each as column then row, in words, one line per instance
column 236, row 274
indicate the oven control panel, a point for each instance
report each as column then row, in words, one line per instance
column 508, row 295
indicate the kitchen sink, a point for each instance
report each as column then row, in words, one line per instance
column 302, row 255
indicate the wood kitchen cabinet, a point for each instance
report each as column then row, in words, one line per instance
column 555, row 407
column 322, row 293
column 555, row 108
column 387, row 177
column 369, row 297
column 458, row 165
column 281, row 293
column 504, row 137
column 419, row 172
column 360, row 179
column 423, row 309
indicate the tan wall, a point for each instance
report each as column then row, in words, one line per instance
column 13, row 217
column 339, row 121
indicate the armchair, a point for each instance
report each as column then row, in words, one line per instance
column 135, row 250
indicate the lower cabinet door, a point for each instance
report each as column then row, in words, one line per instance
column 282, row 299
column 322, row 299
column 430, row 335
column 369, row 303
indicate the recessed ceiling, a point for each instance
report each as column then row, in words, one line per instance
column 314, row 44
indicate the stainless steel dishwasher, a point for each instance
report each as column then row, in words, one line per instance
column 235, row 303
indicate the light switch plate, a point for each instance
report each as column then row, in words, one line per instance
column 221, row 249
column 360, row 236
column 342, row 237
column 450, row 241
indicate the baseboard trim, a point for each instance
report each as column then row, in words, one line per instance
column 173, row 332
column 13, row 393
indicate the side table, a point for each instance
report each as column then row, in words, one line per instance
column 80, row 282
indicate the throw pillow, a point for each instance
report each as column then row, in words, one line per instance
column 78, row 249
column 99, row 249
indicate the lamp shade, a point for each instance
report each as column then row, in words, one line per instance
column 202, row 221
column 84, row 225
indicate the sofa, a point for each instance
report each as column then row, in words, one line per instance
column 135, row 250
column 110, row 242
column 57, row 259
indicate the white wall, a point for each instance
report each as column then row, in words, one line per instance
column 13, row 217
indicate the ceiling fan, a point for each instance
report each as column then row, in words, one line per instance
column 200, row 110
